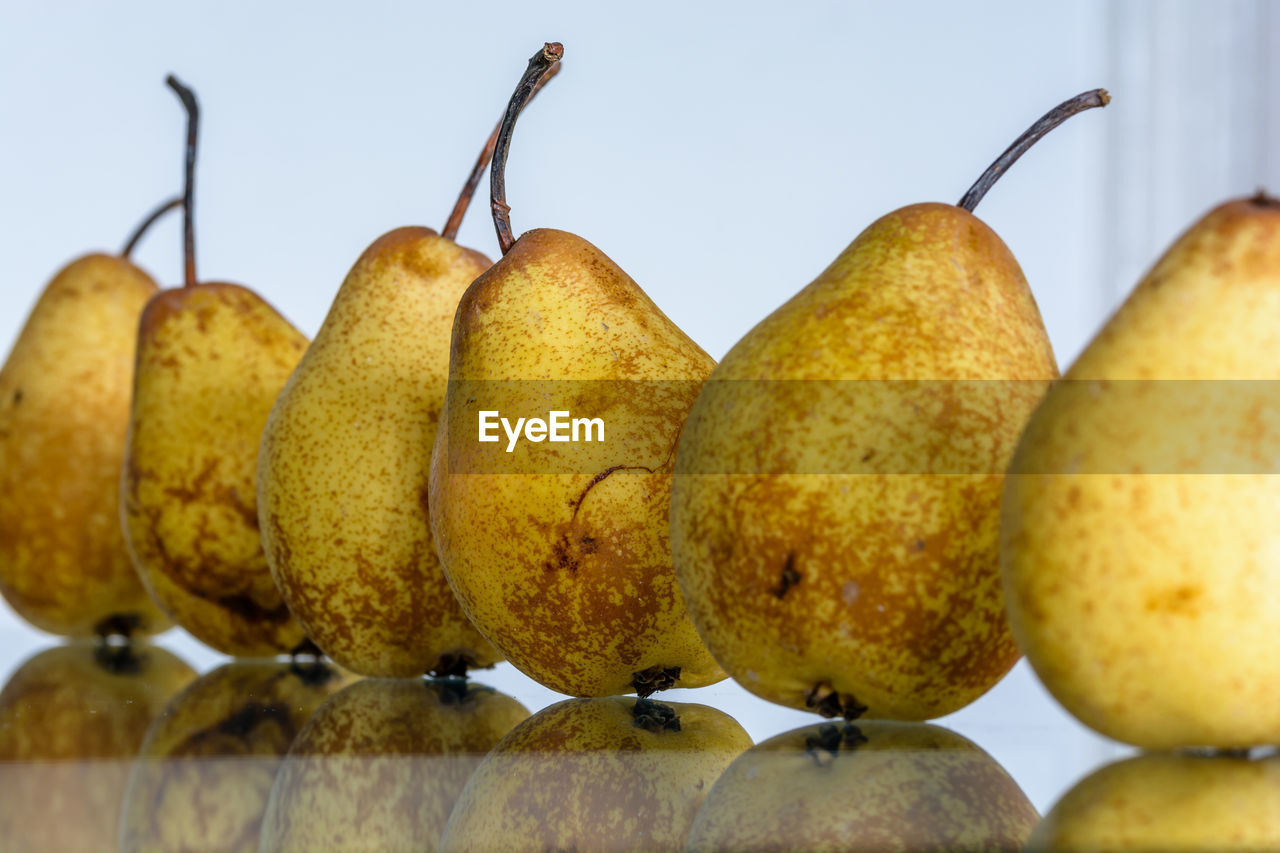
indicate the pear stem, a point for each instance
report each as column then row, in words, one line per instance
column 538, row 64
column 188, row 99
column 1261, row 199
column 451, row 227
column 1050, row 120
column 142, row 228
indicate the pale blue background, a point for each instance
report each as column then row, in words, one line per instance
column 721, row 153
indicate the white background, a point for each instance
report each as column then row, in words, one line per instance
column 723, row 154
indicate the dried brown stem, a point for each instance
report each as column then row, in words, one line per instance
column 538, row 64
column 1261, row 199
column 117, row 625
column 1050, row 120
column 451, row 227
column 188, row 99
column 654, row 716
column 142, row 228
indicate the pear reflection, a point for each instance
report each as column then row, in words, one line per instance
column 1169, row 801
column 380, row 764
column 71, row 720
column 204, row 773
column 874, row 786
column 596, row 774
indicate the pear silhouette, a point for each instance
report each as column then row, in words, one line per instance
column 64, row 410
column 835, row 515
column 381, row 763
column 874, row 786
column 608, row 773
column 72, row 718
column 210, row 361
column 203, row 774
column 1168, row 801
column 344, row 459
column 559, row 554
column 1137, row 542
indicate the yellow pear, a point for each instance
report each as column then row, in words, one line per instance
column 343, row 465
column 381, row 763
column 835, row 515
column 211, row 360
column 1165, row 801
column 71, row 721
column 203, row 775
column 559, row 552
column 1138, row 545
column 877, row 786
column 596, row 774
column 64, row 408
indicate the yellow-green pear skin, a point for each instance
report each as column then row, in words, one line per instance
column 1139, row 541
column 203, row 775
column 211, row 360
column 878, row 786
column 593, row 774
column 1168, row 801
column 71, row 721
column 64, row 408
column 834, row 527
column 562, row 560
column 342, row 476
column 381, row 763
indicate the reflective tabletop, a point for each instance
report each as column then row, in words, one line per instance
column 171, row 747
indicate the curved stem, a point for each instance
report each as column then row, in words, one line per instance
column 160, row 211
column 1050, row 120
column 188, row 98
column 1261, row 199
column 451, row 227
column 538, row 64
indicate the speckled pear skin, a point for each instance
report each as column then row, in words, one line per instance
column 380, row 765
column 71, row 721
column 342, row 474
column 907, row 787
column 582, row 775
column 64, row 408
column 842, row 537
column 569, row 574
column 1139, row 539
column 203, row 775
column 211, row 360
column 1165, row 801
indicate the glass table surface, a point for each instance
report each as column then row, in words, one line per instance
column 172, row 747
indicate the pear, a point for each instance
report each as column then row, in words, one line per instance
column 835, row 514
column 344, row 459
column 71, row 721
column 64, row 408
column 205, row 770
column 211, row 360
column 559, row 554
column 596, row 774
column 1138, row 539
column 876, row 786
column 1167, row 801
column 381, row 763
